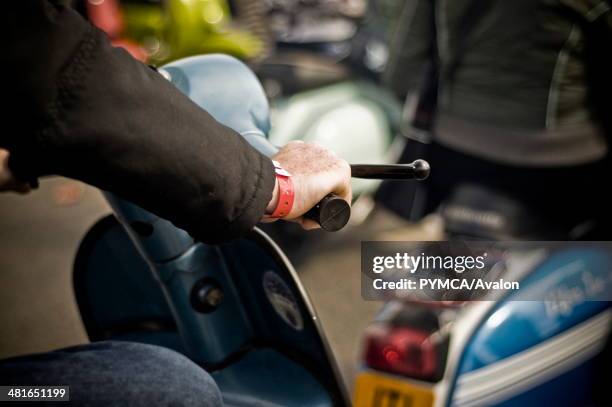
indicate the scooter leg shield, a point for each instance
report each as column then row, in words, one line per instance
column 116, row 293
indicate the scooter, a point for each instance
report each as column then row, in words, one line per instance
column 516, row 348
column 237, row 309
column 159, row 31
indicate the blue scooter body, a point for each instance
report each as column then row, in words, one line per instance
column 525, row 352
column 545, row 344
column 238, row 309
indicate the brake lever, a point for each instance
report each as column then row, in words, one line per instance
column 333, row 212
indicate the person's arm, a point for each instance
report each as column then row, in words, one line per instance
column 77, row 107
column 595, row 17
column 412, row 47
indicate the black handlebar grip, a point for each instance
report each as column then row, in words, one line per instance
column 418, row 170
column 332, row 213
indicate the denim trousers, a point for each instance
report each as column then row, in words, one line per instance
column 114, row 373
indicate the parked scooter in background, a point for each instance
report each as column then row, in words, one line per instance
column 509, row 350
column 237, row 309
column 354, row 33
column 159, row 31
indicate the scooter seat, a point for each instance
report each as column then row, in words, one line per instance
column 479, row 212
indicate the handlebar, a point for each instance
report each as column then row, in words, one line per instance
column 244, row 108
column 333, row 212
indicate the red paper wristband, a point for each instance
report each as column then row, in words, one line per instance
column 286, row 193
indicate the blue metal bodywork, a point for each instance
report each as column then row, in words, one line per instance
column 520, row 332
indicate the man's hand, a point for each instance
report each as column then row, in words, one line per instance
column 8, row 182
column 316, row 172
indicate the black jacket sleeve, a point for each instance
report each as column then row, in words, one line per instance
column 77, row 107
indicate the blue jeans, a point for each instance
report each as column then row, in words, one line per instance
column 116, row 374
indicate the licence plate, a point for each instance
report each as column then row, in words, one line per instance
column 376, row 390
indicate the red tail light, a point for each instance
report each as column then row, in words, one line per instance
column 402, row 350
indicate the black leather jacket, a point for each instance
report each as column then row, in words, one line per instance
column 519, row 89
column 77, row 107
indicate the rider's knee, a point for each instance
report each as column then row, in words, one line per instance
column 164, row 377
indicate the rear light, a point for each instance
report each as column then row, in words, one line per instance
column 409, row 340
